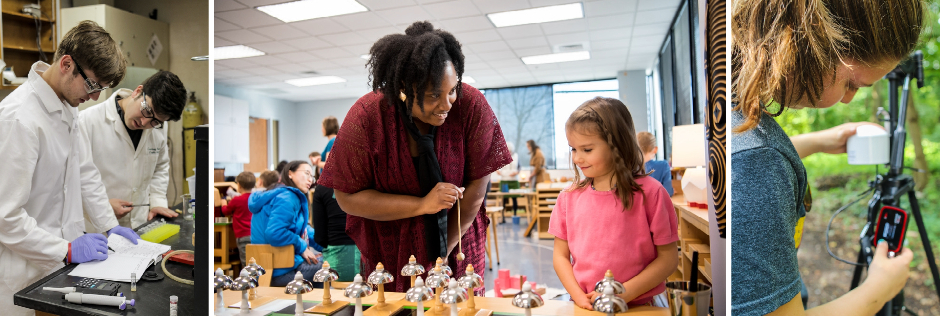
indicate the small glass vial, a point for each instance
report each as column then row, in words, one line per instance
column 133, row 282
column 173, row 306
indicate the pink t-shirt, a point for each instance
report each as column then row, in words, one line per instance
column 601, row 235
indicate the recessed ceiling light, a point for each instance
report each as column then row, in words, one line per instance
column 537, row 15
column 313, row 81
column 468, row 79
column 236, row 51
column 365, row 56
column 556, row 58
column 311, row 9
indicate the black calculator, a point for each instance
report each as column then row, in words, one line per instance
column 96, row 286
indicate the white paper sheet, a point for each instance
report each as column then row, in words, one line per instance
column 127, row 258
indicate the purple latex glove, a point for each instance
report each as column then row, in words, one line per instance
column 125, row 232
column 89, row 247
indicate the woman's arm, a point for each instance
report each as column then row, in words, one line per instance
column 561, row 259
column 667, row 260
column 830, row 141
column 379, row 206
column 322, row 162
column 469, row 207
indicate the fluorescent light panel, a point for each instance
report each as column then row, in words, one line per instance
column 556, row 58
column 537, row 15
column 236, row 51
column 314, row 81
column 311, row 9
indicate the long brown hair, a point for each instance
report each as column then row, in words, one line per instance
column 784, row 50
column 610, row 117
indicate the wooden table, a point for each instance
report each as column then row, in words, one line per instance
column 529, row 197
column 498, row 305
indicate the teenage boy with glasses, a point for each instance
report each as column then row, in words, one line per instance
column 47, row 175
column 128, row 144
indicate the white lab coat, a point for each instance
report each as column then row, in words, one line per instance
column 46, row 179
column 137, row 176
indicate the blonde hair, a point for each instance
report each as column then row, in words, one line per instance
column 784, row 50
column 647, row 141
column 609, row 117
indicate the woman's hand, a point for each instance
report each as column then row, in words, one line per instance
column 310, row 257
column 889, row 275
column 831, row 141
column 442, row 197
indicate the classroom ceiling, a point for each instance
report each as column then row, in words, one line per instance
column 620, row 35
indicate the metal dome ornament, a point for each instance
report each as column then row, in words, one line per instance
column 358, row 290
column 298, row 286
column 609, row 302
column 256, row 272
column 412, row 269
column 379, row 278
column 609, row 280
column 418, row 294
column 472, row 281
column 444, row 268
column 453, row 295
column 221, row 282
column 437, row 280
column 243, row 283
column 327, row 305
column 527, row 299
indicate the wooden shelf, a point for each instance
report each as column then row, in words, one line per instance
column 9, row 87
column 26, row 16
column 47, row 50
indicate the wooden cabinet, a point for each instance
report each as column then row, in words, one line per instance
column 22, row 35
column 693, row 236
column 546, row 194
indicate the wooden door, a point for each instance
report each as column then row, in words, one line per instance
column 257, row 145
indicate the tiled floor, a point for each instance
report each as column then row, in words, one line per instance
column 522, row 255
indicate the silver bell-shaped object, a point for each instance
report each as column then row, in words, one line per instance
column 244, row 282
column 527, row 299
column 379, row 278
column 609, row 280
column 298, row 286
column 609, row 302
column 358, row 290
column 452, row 295
column 412, row 269
column 470, row 281
column 221, row 282
column 418, row 294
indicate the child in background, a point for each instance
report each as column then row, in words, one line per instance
column 617, row 218
column 658, row 169
column 238, row 209
column 266, row 180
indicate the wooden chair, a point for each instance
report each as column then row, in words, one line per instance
column 490, row 212
column 270, row 258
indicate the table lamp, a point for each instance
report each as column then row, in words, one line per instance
column 688, row 150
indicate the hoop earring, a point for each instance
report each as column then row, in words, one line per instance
column 401, row 95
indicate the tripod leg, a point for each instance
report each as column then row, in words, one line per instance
column 915, row 208
column 862, row 259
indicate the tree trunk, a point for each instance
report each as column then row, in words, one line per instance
column 914, row 131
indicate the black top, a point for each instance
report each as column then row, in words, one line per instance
column 329, row 221
column 134, row 134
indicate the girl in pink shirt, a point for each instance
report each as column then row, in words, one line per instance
column 617, row 218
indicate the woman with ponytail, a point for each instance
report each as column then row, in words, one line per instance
column 410, row 150
column 796, row 54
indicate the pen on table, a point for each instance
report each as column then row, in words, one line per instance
column 136, row 205
column 109, row 248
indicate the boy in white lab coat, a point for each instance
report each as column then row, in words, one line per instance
column 127, row 141
column 47, row 177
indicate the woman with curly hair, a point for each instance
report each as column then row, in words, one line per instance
column 410, row 150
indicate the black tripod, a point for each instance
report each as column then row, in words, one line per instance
column 890, row 187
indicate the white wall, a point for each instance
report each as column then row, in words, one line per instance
column 263, row 106
column 632, row 88
column 312, row 114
